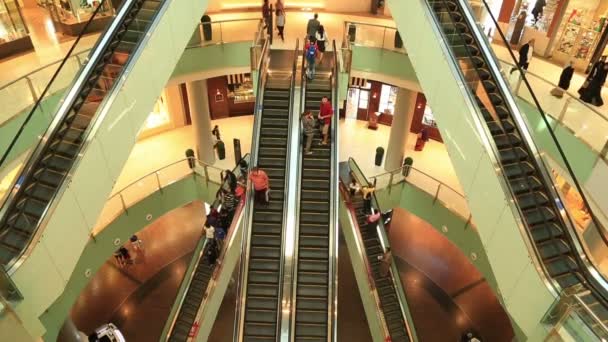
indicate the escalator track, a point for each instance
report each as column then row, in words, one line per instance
column 263, row 299
column 46, row 172
column 313, row 256
column 548, row 229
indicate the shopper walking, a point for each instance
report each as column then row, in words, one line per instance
column 216, row 132
column 321, row 40
column 592, row 94
column 137, row 244
column 266, row 13
column 261, row 185
column 385, row 262
column 325, row 113
column 308, row 123
column 229, row 202
column 525, row 55
column 209, row 231
column 229, row 180
column 279, row 5
column 280, row 14
column 564, row 81
column 312, row 50
column 597, row 66
column 313, row 26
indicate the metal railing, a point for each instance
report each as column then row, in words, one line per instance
column 372, row 35
column 120, row 201
column 394, row 272
column 446, row 195
column 226, row 31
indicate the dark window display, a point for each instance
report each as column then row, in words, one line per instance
column 14, row 36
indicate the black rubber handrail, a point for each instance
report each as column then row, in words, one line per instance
column 543, row 115
column 48, row 86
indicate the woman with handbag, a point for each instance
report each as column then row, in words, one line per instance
column 593, row 92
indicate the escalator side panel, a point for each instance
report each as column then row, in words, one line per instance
column 475, row 164
column 101, row 159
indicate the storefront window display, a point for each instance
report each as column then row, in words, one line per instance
column 14, row 36
column 159, row 119
column 580, row 31
column 70, row 16
column 428, row 119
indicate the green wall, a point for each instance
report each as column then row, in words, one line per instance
column 97, row 251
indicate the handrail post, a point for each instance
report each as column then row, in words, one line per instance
column 206, row 171
column 437, row 193
column 124, row 205
column 562, row 114
column 160, row 188
column 390, row 183
column 221, row 35
column 30, row 85
column 604, row 152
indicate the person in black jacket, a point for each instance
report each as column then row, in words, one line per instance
column 537, row 11
column 564, row 81
column 525, row 55
column 593, row 92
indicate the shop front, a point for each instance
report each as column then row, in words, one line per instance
column 374, row 101
column 564, row 30
column 230, row 95
column 14, row 35
column 70, row 16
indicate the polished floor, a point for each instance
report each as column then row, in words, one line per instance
column 442, row 287
column 121, row 294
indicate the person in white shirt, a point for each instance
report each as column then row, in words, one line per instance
column 321, row 40
column 280, row 13
column 209, row 231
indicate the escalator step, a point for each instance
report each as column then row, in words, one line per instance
column 265, row 252
column 263, row 278
column 539, row 215
column 314, row 241
column 313, row 253
column 531, row 200
column 260, row 302
column 546, row 231
column 265, row 265
column 263, row 290
column 267, row 228
column 311, row 184
column 266, row 240
column 260, row 329
column 268, row 216
column 315, row 218
column 265, row 316
column 512, row 155
column 310, row 266
column 518, row 170
column 313, row 195
column 507, row 140
column 312, row 278
column 314, row 229
column 314, row 206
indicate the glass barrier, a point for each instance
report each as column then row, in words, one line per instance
column 446, row 195
column 371, row 35
column 226, row 31
column 121, row 200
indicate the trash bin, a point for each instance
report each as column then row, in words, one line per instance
column 191, row 159
column 398, row 40
column 221, row 150
column 407, row 166
column 352, row 32
column 379, row 156
column 206, row 21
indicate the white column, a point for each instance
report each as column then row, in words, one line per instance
column 400, row 128
column 198, row 101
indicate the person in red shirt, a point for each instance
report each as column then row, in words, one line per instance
column 325, row 114
column 261, row 185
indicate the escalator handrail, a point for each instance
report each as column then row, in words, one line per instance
column 334, row 202
column 292, row 174
column 352, row 215
column 250, row 195
column 569, row 169
column 52, row 80
column 394, row 272
column 231, row 232
column 62, row 111
column 598, row 282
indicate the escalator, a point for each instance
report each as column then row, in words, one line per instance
column 261, row 270
column 389, row 301
column 52, row 160
column 530, row 185
column 316, row 231
column 374, row 241
column 198, row 288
